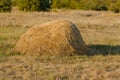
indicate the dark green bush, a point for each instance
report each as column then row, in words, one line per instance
column 115, row 6
column 112, row 5
column 68, row 4
column 5, row 5
column 33, row 5
column 45, row 5
column 93, row 5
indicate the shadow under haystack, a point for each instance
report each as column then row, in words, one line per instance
column 59, row 37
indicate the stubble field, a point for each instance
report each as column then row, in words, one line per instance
column 100, row 31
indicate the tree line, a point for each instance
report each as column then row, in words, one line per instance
column 46, row 5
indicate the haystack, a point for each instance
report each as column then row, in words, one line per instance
column 59, row 37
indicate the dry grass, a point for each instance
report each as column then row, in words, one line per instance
column 60, row 68
column 83, row 17
column 103, row 66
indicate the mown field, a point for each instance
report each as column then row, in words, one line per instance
column 100, row 31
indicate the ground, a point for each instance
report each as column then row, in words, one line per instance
column 100, row 31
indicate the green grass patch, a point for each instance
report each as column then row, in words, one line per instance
column 8, row 37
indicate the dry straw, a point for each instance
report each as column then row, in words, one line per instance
column 59, row 37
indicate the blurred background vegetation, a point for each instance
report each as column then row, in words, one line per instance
column 46, row 5
column 5, row 5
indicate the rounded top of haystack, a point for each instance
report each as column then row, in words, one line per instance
column 58, row 37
